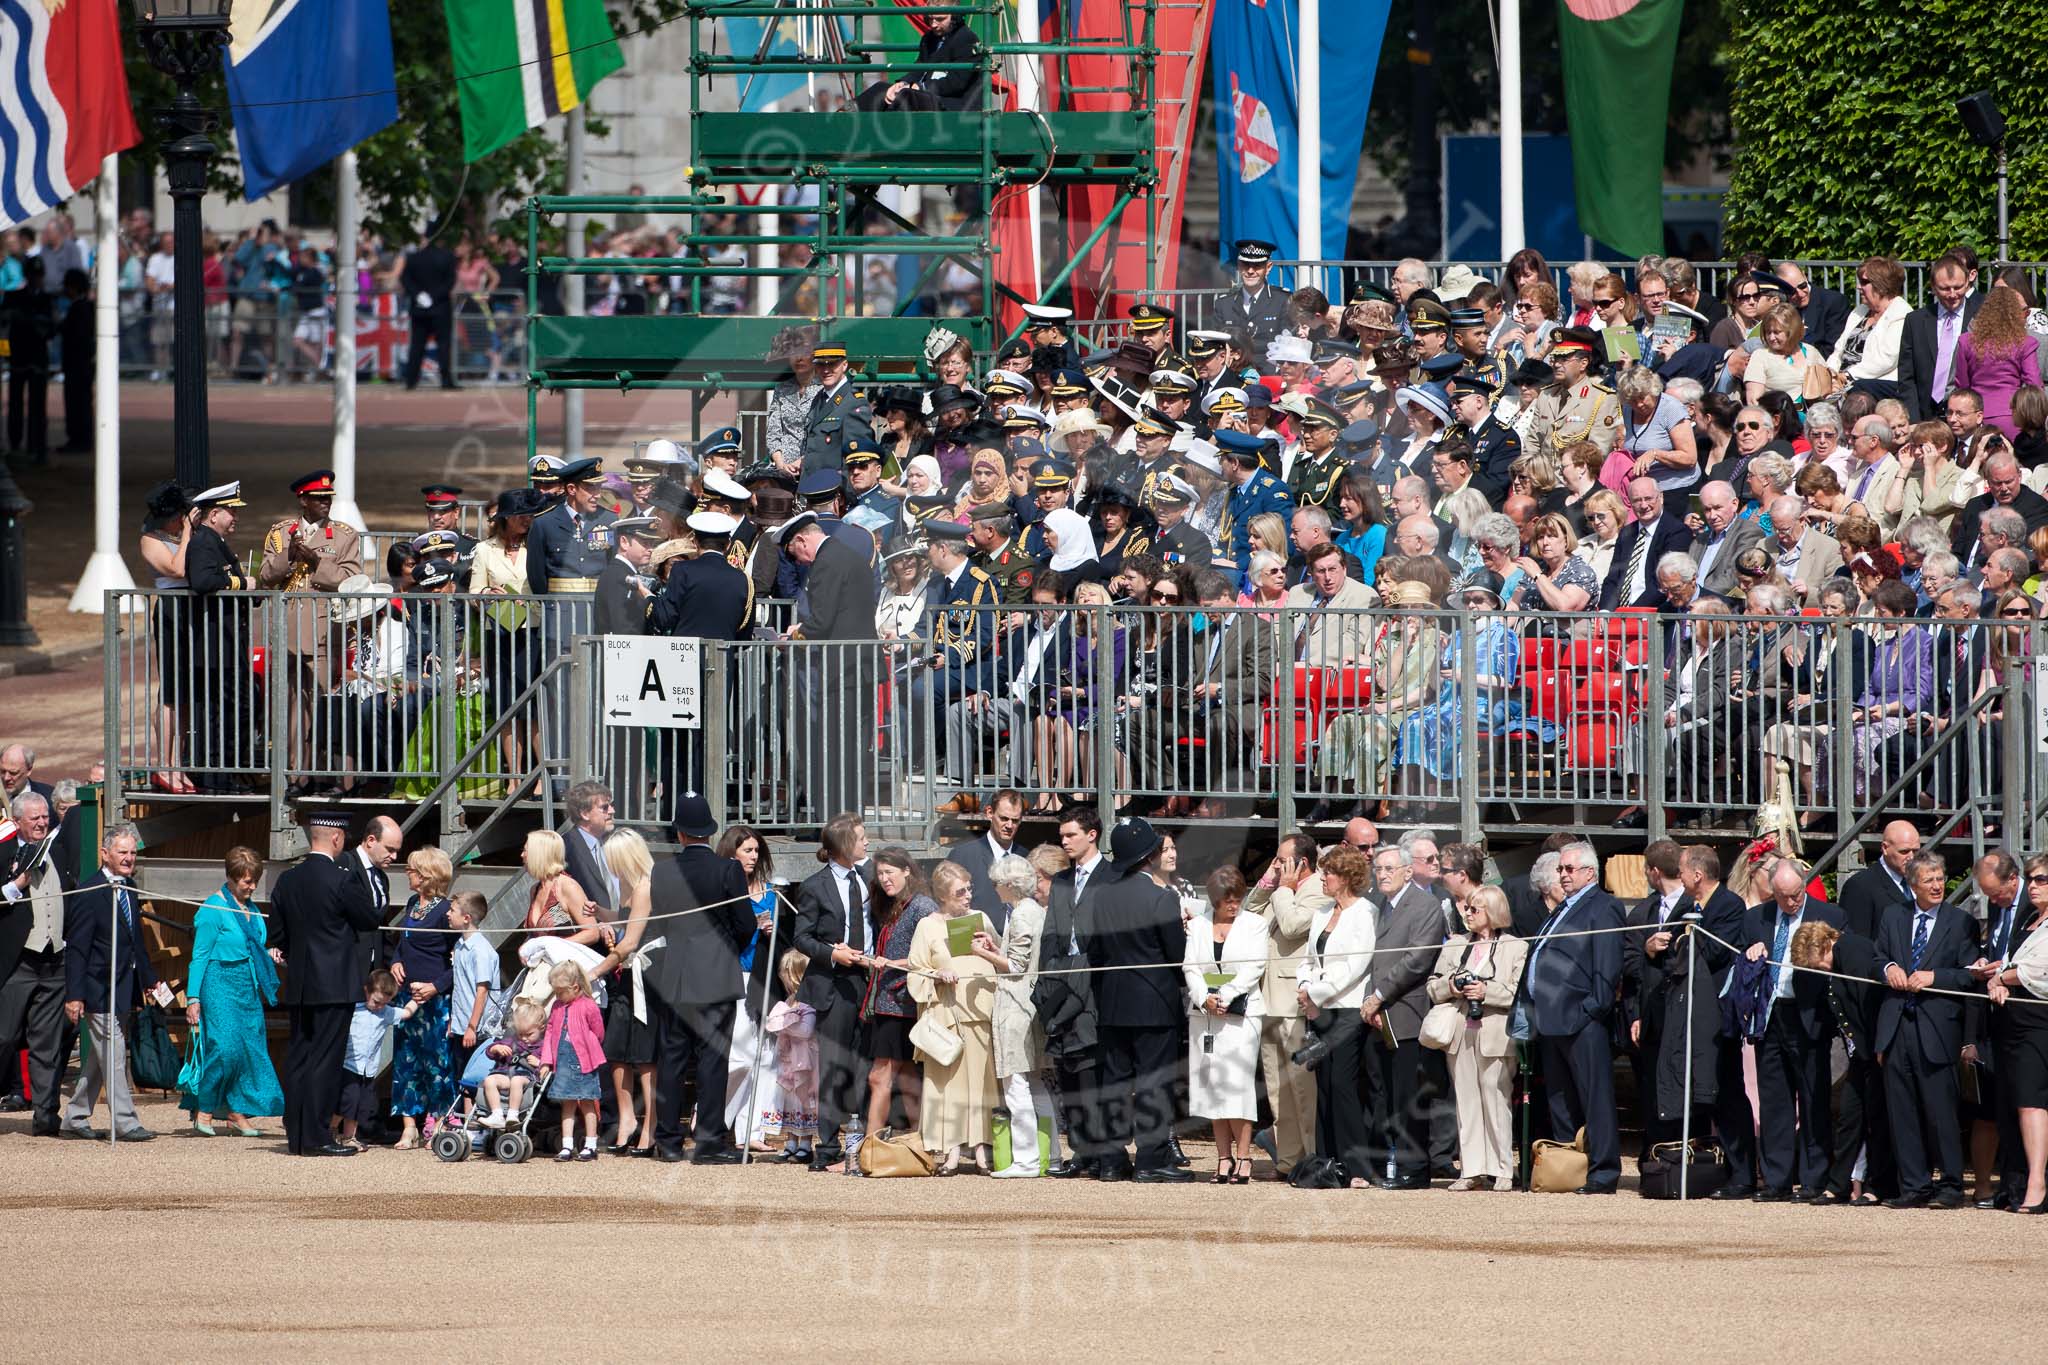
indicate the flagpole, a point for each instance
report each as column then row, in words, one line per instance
column 572, row 284
column 105, row 571
column 1308, row 144
column 1030, row 84
column 1512, row 238
column 347, row 218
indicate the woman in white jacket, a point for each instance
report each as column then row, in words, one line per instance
column 1334, row 978
column 1869, row 348
column 1225, row 969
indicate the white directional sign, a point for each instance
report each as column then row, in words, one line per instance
column 652, row 680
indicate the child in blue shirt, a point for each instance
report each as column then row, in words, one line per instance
column 374, row 1019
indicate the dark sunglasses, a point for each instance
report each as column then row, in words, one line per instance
column 2038, row 878
column 1751, row 426
column 1607, row 303
column 1750, row 296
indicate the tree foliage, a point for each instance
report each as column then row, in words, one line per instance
column 413, row 170
column 1847, row 139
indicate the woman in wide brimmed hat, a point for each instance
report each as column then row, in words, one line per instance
column 1362, row 745
column 1123, row 528
column 368, row 726
column 906, row 589
column 789, row 406
column 1433, row 736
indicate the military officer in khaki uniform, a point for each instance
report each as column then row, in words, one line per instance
column 991, row 529
column 308, row 553
column 1576, row 407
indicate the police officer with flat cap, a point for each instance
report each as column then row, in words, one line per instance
column 1253, row 490
column 1254, row 308
column 838, row 415
column 1319, row 468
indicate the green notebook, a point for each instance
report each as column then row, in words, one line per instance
column 1216, row 981
column 960, row 932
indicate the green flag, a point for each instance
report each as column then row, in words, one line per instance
column 521, row 62
column 1617, row 94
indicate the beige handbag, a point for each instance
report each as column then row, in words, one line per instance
column 889, row 1153
column 1441, row 1025
column 935, row 1040
column 1559, row 1167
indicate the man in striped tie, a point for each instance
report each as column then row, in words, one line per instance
column 106, row 975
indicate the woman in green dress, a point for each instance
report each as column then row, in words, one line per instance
column 228, row 1074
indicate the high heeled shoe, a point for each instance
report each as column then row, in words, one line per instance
column 625, row 1143
column 1241, row 1170
column 1224, row 1167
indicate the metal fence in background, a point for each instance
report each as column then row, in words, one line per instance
column 1474, row 720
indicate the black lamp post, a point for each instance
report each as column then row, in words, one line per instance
column 184, row 39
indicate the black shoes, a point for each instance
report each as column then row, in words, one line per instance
column 330, row 1149
column 716, row 1156
column 1112, row 1172
column 1162, row 1175
column 1948, row 1199
column 1595, row 1189
column 1773, row 1196
column 1402, row 1182
column 1073, row 1168
column 1734, row 1192
column 1909, row 1201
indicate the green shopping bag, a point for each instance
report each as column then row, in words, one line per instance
column 1000, row 1123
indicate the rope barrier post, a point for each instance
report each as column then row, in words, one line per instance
column 760, row 1035
column 1692, row 920
column 1650, row 733
column 2012, row 761
column 107, row 1053
column 1477, row 761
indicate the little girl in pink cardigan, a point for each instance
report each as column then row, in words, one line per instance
column 574, row 1047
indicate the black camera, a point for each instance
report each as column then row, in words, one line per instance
column 1473, row 1008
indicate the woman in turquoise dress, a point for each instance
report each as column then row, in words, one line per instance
column 1433, row 736
column 228, row 1074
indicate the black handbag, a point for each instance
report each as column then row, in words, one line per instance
column 1319, row 1173
column 1706, row 1170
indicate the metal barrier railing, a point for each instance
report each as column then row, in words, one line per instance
column 1454, row 718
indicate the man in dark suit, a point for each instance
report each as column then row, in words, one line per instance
column 1723, row 539
column 2002, row 488
column 1407, row 1093
column 835, row 930
column 1567, row 999
column 18, row 773
column 1645, row 974
column 590, row 819
column 619, row 605
column 1133, row 936
column 694, row 985
column 33, row 886
column 107, row 974
column 1927, row 348
column 1719, row 1098
column 705, row 597
column 320, row 912
column 1998, row 875
column 1066, row 1004
column 1861, row 1129
column 369, row 860
column 1792, row 1056
column 978, row 855
column 1919, row 1035
column 1869, row 896
column 1824, row 311
column 947, row 42
column 1232, row 678
column 428, row 283
column 837, row 602
column 1632, row 576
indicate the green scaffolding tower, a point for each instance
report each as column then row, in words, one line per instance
column 849, row 157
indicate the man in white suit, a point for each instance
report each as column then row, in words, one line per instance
column 1289, row 895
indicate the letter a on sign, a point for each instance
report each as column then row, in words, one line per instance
column 650, row 683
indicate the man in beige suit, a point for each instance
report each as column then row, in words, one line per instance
column 1807, row 556
column 309, row 553
column 1290, row 896
column 1324, row 627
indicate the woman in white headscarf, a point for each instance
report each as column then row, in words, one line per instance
column 1073, row 547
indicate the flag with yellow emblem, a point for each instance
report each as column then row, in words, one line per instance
column 519, row 63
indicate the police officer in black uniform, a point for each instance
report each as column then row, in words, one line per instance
column 1254, row 308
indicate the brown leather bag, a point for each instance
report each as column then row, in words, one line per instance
column 1558, row 1167
column 890, row 1153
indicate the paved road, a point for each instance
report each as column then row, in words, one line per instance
column 59, row 714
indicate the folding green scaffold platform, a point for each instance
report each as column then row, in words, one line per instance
column 849, row 157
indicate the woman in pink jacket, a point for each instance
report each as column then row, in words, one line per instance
column 1997, row 357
